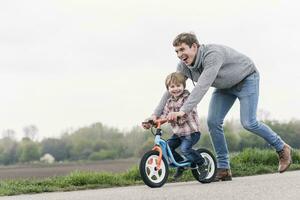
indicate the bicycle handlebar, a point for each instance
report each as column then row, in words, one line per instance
column 157, row 123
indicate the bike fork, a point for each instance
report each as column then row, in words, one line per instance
column 157, row 148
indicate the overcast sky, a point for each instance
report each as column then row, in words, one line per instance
column 68, row 64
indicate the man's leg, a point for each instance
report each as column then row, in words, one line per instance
column 248, row 98
column 220, row 104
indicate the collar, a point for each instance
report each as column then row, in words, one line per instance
column 199, row 58
column 182, row 96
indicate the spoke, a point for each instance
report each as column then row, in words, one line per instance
column 154, row 164
column 155, row 173
column 151, row 164
column 151, row 171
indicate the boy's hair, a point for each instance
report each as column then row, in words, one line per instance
column 188, row 38
column 176, row 78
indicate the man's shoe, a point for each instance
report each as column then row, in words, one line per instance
column 223, row 175
column 178, row 174
column 285, row 158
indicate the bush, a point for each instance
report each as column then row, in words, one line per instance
column 103, row 154
column 28, row 151
column 256, row 156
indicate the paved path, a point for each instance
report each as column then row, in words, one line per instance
column 284, row 186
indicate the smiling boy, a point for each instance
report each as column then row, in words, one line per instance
column 186, row 129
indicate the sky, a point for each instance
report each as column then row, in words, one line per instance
column 69, row 64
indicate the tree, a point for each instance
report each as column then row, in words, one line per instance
column 9, row 133
column 56, row 147
column 28, row 151
column 30, row 131
column 8, row 151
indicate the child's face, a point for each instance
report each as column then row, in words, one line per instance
column 176, row 89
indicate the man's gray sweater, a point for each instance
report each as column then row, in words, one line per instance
column 215, row 65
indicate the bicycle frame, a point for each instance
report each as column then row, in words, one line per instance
column 164, row 150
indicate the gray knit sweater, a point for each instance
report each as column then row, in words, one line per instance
column 215, row 65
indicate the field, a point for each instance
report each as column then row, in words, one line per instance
column 58, row 169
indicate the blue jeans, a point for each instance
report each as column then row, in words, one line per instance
column 186, row 143
column 222, row 100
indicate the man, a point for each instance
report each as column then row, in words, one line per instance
column 234, row 76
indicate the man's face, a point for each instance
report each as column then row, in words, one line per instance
column 186, row 54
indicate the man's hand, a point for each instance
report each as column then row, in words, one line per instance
column 146, row 124
column 154, row 117
column 172, row 116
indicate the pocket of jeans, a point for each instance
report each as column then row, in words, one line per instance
column 247, row 87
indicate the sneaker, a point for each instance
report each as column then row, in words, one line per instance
column 223, row 175
column 285, row 158
column 178, row 174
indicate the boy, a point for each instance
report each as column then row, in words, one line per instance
column 186, row 129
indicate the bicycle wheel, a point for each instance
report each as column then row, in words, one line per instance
column 208, row 172
column 149, row 172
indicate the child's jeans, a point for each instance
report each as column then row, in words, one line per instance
column 186, row 143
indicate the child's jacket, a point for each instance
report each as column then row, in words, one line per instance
column 187, row 124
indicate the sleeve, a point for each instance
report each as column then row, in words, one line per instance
column 211, row 66
column 182, row 70
column 160, row 107
column 184, row 118
column 166, row 111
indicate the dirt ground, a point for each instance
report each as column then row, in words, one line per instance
column 58, row 169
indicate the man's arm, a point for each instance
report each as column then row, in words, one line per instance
column 159, row 109
column 166, row 111
column 211, row 66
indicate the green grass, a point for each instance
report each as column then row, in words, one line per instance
column 246, row 163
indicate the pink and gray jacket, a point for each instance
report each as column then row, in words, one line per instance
column 187, row 124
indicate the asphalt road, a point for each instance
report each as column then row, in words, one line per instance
column 284, row 186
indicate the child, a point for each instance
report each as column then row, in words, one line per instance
column 186, row 129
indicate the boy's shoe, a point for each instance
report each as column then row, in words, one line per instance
column 223, row 175
column 178, row 174
column 285, row 158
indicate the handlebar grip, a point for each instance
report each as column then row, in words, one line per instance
column 155, row 123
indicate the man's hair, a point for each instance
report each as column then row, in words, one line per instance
column 175, row 78
column 188, row 38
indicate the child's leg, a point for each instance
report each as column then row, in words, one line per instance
column 173, row 143
column 187, row 143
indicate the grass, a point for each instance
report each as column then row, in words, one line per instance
column 246, row 163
